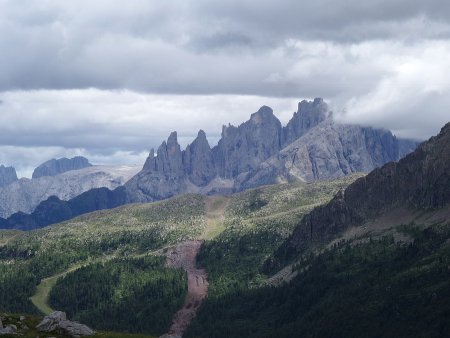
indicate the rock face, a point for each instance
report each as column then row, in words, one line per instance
column 260, row 151
column 419, row 180
column 25, row 195
column 329, row 150
column 243, row 148
column 198, row 162
column 54, row 167
column 162, row 176
column 309, row 115
column 7, row 175
column 57, row 322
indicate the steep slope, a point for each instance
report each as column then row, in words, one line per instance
column 421, row 180
column 24, row 195
column 308, row 115
column 371, row 287
column 242, row 148
column 58, row 166
column 329, row 150
column 7, row 175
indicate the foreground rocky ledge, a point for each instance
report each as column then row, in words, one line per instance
column 57, row 322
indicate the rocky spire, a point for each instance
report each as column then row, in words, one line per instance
column 7, row 175
column 309, row 115
column 242, row 148
column 168, row 159
column 198, row 161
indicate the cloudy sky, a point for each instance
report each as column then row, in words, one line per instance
column 111, row 79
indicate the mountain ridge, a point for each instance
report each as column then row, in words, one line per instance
column 25, row 194
column 420, row 180
column 54, row 166
column 234, row 164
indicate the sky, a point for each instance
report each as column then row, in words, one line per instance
column 111, row 79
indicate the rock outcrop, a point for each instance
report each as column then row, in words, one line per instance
column 162, row 175
column 54, row 167
column 243, row 148
column 329, row 150
column 419, row 180
column 198, row 162
column 308, row 115
column 9, row 329
column 57, row 322
column 8, row 175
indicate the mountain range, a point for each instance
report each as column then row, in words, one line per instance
column 369, row 253
column 24, row 195
column 312, row 146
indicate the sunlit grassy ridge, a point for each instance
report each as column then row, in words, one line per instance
column 256, row 223
column 128, row 230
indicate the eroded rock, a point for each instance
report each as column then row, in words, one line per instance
column 57, row 322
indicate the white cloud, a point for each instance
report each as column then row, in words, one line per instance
column 413, row 97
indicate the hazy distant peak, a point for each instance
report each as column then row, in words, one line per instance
column 7, row 175
column 55, row 167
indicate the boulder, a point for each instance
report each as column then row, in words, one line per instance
column 9, row 329
column 57, row 322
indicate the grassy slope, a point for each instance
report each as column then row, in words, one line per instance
column 40, row 298
column 256, row 222
column 130, row 230
column 251, row 223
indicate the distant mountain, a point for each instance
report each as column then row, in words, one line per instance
column 329, row 150
column 54, row 167
column 8, row 175
column 257, row 152
column 25, row 194
column 260, row 151
column 421, row 180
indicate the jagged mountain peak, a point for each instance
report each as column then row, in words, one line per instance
column 201, row 134
column 264, row 113
column 172, row 139
column 309, row 114
column 8, row 175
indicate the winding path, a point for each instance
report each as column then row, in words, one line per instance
column 183, row 256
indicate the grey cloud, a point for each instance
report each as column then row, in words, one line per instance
column 199, row 64
column 192, row 47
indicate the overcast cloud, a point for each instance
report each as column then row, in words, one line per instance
column 110, row 80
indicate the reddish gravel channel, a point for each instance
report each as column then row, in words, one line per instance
column 183, row 255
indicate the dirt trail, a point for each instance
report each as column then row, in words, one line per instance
column 215, row 207
column 183, row 255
